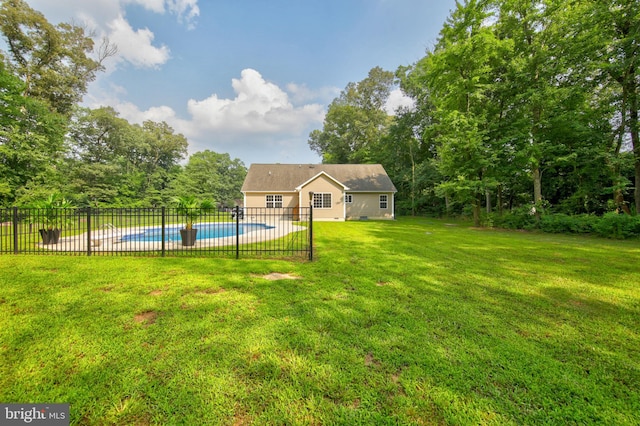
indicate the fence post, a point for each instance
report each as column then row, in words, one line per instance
column 89, row 231
column 310, row 231
column 163, row 232
column 237, row 210
column 311, row 194
column 15, row 230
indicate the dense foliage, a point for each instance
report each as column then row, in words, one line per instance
column 521, row 104
column 51, row 145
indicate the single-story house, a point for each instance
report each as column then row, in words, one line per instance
column 336, row 191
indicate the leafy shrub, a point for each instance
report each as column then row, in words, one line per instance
column 614, row 225
column 586, row 223
column 520, row 218
column 555, row 223
column 487, row 220
column 562, row 223
column 611, row 225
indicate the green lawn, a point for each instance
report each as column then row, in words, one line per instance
column 417, row 321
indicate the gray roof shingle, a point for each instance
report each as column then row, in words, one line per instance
column 286, row 177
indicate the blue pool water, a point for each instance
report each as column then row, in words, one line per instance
column 205, row 231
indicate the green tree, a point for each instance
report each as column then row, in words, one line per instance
column 608, row 50
column 356, row 121
column 112, row 162
column 31, row 140
column 408, row 150
column 98, row 136
column 99, row 166
column 545, row 93
column 459, row 74
column 209, row 175
column 158, row 152
column 53, row 61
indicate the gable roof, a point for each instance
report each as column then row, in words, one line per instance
column 308, row 181
column 288, row 177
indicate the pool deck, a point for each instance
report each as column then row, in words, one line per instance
column 108, row 240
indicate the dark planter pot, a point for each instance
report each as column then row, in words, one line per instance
column 188, row 236
column 50, row 236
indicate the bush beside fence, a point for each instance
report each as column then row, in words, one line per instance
column 254, row 232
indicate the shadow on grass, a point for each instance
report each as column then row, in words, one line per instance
column 398, row 322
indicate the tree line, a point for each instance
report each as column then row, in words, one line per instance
column 50, row 144
column 520, row 104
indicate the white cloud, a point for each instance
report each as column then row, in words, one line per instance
column 156, row 6
column 136, row 47
column 259, row 123
column 133, row 114
column 107, row 18
column 186, row 10
column 100, row 95
column 300, row 93
column 397, row 99
column 94, row 11
column 259, row 107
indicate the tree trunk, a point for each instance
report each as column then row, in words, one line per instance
column 618, row 196
column 635, row 140
column 637, row 183
column 628, row 82
column 619, row 200
column 477, row 207
column 537, row 184
column 487, row 196
column 413, row 184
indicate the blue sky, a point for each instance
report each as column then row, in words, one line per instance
column 246, row 77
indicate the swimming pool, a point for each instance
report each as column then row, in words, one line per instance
column 205, row 231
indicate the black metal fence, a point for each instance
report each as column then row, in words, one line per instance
column 238, row 232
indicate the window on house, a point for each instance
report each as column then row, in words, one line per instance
column 348, row 198
column 274, row 201
column 322, row 200
column 384, row 201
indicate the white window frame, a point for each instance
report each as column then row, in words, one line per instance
column 384, row 201
column 273, row 201
column 320, row 200
column 348, row 198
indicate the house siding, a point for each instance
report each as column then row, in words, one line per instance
column 325, row 185
column 368, row 205
column 258, row 199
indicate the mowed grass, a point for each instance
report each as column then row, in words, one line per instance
column 416, row 321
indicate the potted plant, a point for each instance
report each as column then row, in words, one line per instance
column 51, row 216
column 190, row 208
